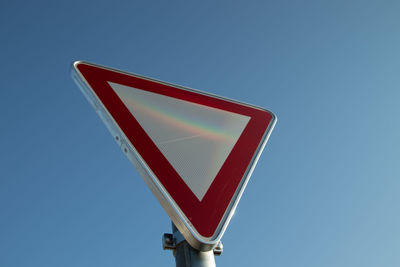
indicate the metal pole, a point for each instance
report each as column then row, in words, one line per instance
column 185, row 255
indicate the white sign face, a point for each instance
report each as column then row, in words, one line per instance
column 195, row 139
column 195, row 151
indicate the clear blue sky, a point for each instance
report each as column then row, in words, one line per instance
column 326, row 189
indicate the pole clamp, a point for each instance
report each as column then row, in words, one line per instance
column 170, row 242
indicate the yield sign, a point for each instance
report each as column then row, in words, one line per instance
column 196, row 151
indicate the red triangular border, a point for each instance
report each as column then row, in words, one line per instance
column 205, row 215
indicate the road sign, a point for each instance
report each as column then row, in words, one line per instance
column 196, row 151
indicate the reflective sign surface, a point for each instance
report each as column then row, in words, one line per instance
column 195, row 151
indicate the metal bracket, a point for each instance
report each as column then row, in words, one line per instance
column 218, row 249
column 168, row 242
column 171, row 241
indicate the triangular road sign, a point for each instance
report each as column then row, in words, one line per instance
column 196, row 151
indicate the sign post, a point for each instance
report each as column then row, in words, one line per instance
column 185, row 255
column 196, row 151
